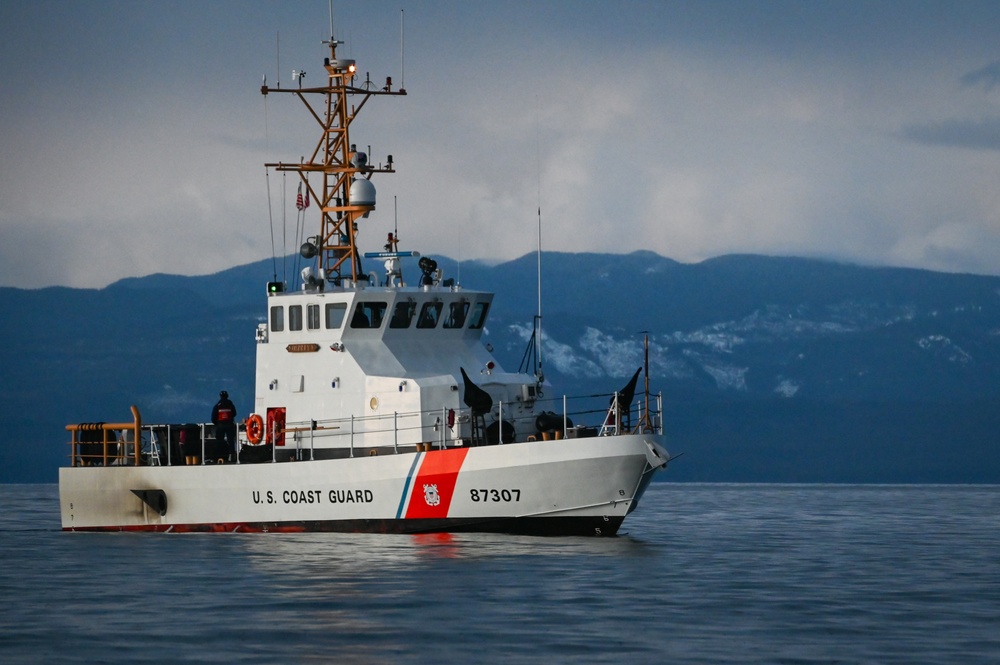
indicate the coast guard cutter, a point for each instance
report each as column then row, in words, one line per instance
column 377, row 406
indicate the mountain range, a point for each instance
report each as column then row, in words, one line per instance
column 772, row 369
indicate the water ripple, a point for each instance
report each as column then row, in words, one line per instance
column 704, row 574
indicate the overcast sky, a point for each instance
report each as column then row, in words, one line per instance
column 134, row 133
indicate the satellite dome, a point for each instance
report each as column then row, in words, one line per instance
column 362, row 192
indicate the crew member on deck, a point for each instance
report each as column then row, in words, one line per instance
column 224, row 419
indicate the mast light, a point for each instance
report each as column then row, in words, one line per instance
column 344, row 65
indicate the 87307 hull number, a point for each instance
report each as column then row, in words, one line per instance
column 493, row 495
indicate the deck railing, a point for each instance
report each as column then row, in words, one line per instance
column 135, row 444
column 94, row 443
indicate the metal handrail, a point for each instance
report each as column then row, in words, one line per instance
column 396, row 423
column 105, row 428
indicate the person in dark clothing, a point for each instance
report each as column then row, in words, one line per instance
column 224, row 419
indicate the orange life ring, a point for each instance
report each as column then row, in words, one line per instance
column 255, row 429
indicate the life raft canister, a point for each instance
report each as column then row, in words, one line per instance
column 255, row 429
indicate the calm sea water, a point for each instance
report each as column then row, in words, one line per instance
column 703, row 574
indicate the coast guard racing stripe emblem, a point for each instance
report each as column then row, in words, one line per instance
column 435, row 484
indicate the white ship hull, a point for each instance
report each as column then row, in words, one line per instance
column 566, row 487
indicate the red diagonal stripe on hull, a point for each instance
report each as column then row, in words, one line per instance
column 435, row 483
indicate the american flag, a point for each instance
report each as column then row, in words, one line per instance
column 302, row 202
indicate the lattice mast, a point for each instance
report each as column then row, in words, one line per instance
column 347, row 193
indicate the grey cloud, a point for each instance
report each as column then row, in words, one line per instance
column 975, row 134
column 987, row 77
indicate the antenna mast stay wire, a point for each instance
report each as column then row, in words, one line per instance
column 270, row 221
column 538, row 175
column 267, row 181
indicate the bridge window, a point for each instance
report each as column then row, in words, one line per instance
column 335, row 313
column 295, row 317
column 402, row 314
column 478, row 318
column 312, row 313
column 368, row 315
column 457, row 311
column 429, row 315
column 277, row 318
